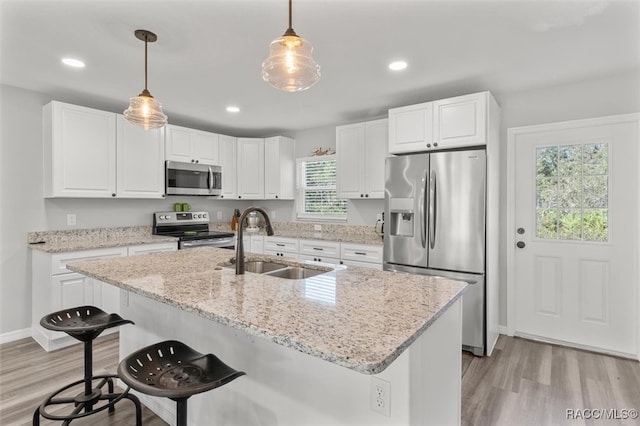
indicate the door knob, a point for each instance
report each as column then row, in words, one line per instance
column 520, row 244
column 520, row 231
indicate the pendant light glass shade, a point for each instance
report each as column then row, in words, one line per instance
column 290, row 65
column 144, row 110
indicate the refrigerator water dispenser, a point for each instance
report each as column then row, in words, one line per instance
column 402, row 217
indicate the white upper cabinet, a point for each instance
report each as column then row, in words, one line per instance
column 250, row 173
column 442, row 124
column 228, row 160
column 460, row 121
column 97, row 154
column 140, row 161
column 79, row 151
column 361, row 149
column 279, row 168
column 411, row 128
column 191, row 146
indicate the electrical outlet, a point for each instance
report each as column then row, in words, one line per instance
column 379, row 216
column 219, row 215
column 317, row 227
column 273, row 214
column 381, row 396
column 71, row 219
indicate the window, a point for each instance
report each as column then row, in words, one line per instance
column 572, row 192
column 317, row 196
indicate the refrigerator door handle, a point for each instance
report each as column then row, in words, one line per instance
column 422, row 201
column 432, row 209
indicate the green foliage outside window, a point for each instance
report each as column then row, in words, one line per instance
column 572, row 192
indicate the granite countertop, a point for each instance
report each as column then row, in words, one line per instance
column 362, row 319
column 87, row 239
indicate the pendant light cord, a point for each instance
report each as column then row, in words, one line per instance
column 290, row 5
column 146, row 37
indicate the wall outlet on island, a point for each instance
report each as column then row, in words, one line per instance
column 381, row 396
column 71, row 219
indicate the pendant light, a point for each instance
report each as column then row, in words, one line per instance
column 145, row 110
column 290, row 65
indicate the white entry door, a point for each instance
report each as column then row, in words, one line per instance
column 575, row 233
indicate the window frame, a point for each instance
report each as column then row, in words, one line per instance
column 300, row 192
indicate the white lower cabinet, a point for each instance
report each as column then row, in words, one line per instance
column 282, row 247
column 54, row 287
column 319, row 251
column 361, row 255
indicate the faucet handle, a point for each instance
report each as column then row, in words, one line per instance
column 232, row 260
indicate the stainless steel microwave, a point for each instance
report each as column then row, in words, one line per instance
column 192, row 179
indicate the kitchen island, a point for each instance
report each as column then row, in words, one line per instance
column 316, row 351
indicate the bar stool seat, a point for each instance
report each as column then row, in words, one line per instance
column 85, row 323
column 173, row 370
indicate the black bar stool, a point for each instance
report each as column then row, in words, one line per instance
column 85, row 323
column 173, row 370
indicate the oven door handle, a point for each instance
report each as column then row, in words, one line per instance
column 213, row 242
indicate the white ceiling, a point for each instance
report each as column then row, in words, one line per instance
column 208, row 53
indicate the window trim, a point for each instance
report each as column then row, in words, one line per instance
column 315, row 217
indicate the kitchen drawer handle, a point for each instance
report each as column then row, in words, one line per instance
column 318, row 248
column 280, row 245
column 360, row 253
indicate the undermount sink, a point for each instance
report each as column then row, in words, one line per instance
column 260, row 267
column 295, row 273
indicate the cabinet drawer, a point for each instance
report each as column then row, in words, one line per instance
column 361, row 253
column 319, row 258
column 287, row 245
column 152, row 248
column 59, row 261
column 319, row 248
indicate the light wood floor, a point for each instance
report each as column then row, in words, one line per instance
column 523, row 383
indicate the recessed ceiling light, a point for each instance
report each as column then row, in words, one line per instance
column 397, row 65
column 75, row 63
column 233, row 109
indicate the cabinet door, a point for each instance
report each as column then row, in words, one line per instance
column 106, row 297
column 79, row 151
column 228, row 160
column 350, row 160
column 376, row 150
column 461, row 121
column 257, row 244
column 178, row 144
column 140, row 165
column 204, row 148
column 279, row 168
column 251, row 168
column 411, row 128
column 70, row 290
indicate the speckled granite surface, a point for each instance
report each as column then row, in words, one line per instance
column 330, row 232
column 86, row 239
column 358, row 318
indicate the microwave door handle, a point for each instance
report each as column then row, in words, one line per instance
column 433, row 207
column 210, row 179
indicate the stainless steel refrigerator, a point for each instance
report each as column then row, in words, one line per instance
column 435, row 225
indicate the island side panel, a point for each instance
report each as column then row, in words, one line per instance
column 282, row 386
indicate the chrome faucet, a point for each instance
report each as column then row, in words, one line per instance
column 240, row 242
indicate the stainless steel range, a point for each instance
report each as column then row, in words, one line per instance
column 191, row 229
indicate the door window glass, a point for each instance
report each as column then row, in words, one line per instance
column 572, row 192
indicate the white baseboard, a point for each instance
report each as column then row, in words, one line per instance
column 577, row 346
column 15, row 335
